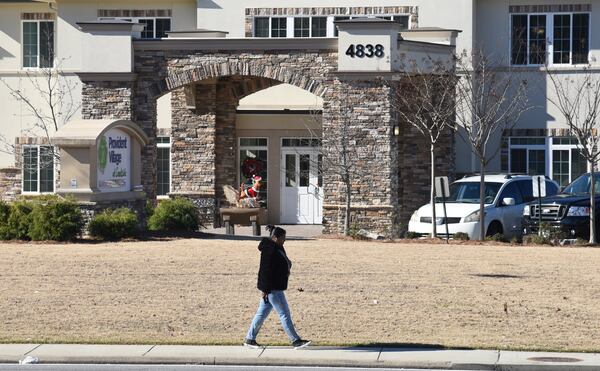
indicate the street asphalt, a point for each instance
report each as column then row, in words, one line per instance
column 375, row 357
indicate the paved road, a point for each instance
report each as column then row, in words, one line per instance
column 60, row 367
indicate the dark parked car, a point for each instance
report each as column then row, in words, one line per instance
column 567, row 212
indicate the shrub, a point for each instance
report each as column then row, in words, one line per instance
column 55, row 219
column 461, row 236
column 412, row 235
column 174, row 215
column 498, row 237
column 114, row 224
column 535, row 239
column 4, row 214
column 19, row 220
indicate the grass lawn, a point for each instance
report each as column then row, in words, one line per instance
column 193, row 291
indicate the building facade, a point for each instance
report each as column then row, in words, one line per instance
column 275, row 126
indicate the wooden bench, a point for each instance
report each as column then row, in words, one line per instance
column 242, row 216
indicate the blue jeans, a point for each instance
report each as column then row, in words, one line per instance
column 277, row 301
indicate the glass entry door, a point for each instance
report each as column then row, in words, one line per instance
column 301, row 186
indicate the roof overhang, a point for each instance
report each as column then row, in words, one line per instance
column 85, row 133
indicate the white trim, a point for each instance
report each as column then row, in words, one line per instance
column 22, row 42
column 167, row 145
column 549, row 38
column 260, row 148
column 37, row 146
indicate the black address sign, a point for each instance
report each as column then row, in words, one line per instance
column 362, row 51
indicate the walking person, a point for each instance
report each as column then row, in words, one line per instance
column 272, row 282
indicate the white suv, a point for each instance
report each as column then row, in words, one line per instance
column 505, row 198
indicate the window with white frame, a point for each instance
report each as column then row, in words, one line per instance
column 553, row 38
column 38, row 169
column 301, row 27
column 557, row 157
column 38, row 44
column 314, row 26
column 154, row 27
column 253, row 160
column 163, row 166
column 279, row 27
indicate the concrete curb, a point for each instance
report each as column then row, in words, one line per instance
column 375, row 357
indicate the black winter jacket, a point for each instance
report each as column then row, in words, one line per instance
column 274, row 266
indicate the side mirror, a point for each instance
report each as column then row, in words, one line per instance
column 509, row 201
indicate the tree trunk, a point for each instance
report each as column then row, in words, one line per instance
column 592, row 205
column 432, row 196
column 347, row 217
column 482, row 201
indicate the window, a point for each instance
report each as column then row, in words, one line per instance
column 558, row 157
column 261, row 27
column 512, row 191
column 38, row 44
column 319, row 27
column 312, row 26
column 526, row 187
column 163, row 166
column 581, row 38
column 154, row 28
column 568, row 35
column 301, row 27
column 38, row 169
column 253, row 160
column 278, row 27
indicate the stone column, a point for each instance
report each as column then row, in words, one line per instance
column 225, row 143
column 193, row 131
column 364, row 108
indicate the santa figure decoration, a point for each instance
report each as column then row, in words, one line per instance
column 253, row 191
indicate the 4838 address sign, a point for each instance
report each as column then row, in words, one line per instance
column 362, row 51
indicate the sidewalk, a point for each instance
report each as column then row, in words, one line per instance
column 311, row 356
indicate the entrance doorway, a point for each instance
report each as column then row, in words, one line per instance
column 301, row 182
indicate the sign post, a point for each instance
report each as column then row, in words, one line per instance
column 442, row 190
column 539, row 191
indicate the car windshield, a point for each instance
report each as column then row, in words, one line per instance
column 468, row 192
column 582, row 185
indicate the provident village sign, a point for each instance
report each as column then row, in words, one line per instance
column 357, row 75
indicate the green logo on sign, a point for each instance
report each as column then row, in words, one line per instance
column 102, row 153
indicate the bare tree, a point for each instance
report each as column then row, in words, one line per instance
column 490, row 99
column 425, row 100
column 344, row 155
column 47, row 96
column 578, row 100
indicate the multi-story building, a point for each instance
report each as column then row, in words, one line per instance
column 276, row 124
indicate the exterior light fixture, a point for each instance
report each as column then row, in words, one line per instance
column 396, row 130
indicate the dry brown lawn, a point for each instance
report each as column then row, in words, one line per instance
column 203, row 292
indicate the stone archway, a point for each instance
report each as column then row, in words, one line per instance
column 211, row 75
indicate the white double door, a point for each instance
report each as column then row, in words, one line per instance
column 301, row 186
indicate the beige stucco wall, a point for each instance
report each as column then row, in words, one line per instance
column 493, row 36
column 274, row 128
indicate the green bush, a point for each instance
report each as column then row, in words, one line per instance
column 535, row 239
column 461, row 236
column 498, row 237
column 174, row 215
column 412, row 235
column 19, row 220
column 55, row 219
column 4, row 214
column 114, row 224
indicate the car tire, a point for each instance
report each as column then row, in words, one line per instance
column 493, row 229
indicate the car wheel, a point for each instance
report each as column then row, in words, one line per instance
column 494, row 229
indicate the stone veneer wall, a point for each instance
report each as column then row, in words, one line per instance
column 203, row 135
column 10, row 183
column 365, row 109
